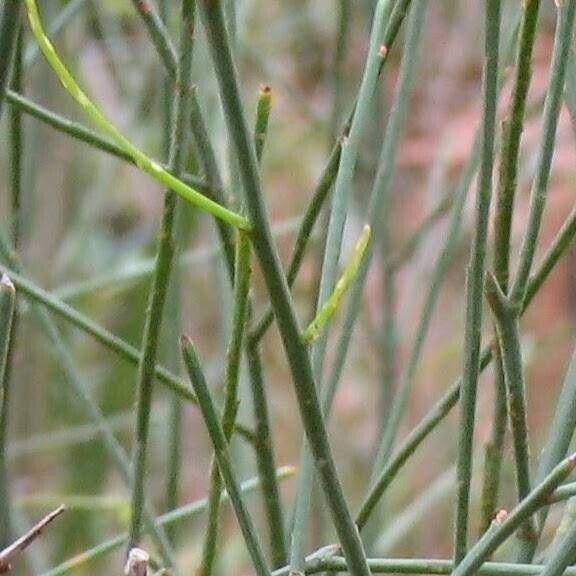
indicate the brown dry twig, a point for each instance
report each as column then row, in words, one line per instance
column 9, row 554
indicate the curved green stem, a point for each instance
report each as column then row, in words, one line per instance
column 156, row 170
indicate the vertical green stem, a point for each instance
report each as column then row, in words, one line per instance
column 563, row 36
column 222, row 455
column 474, row 286
column 509, row 340
column 505, row 194
column 265, row 457
column 241, row 289
column 262, row 117
column 159, row 35
column 556, row 448
column 161, row 278
column 278, row 288
column 9, row 27
column 7, row 304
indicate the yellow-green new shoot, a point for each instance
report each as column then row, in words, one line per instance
column 141, row 160
column 349, row 273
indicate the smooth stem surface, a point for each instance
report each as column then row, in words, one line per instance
column 563, row 36
column 241, row 290
column 161, row 278
column 518, row 516
column 556, row 447
column 9, row 28
column 158, row 35
column 377, row 205
column 475, row 278
column 349, row 274
column 222, row 456
column 262, row 117
column 511, row 135
column 443, row 406
column 425, row 566
column 7, row 304
column 265, row 457
column 277, row 286
column 509, row 342
column 393, row 14
column 505, row 194
column 149, row 166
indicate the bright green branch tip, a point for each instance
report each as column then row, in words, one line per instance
column 349, row 273
column 142, row 161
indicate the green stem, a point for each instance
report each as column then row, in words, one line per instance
column 556, row 447
column 159, row 35
column 222, row 455
column 474, row 284
column 492, row 539
column 262, row 117
column 9, row 28
column 505, row 194
column 400, row 400
column 7, row 305
column 442, row 408
column 562, row 39
column 512, row 132
column 277, row 286
column 161, row 278
column 494, row 447
column 146, row 164
column 562, row 555
column 265, row 457
column 348, row 275
column 90, row 408
column 241, row 292
column 509, row 342
column 171, row 518
column 424, row 566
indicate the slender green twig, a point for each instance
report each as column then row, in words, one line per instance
column 7, row 302
column 91, row 410
column 161, row 279
column 563, row 36
column 561, row 555
column 376, row 207
column 222, row 455
column 9, row 28
column 556, row 447
column 505, row 194
column 171, row 518
column 338, row 71
column 400, row 400
column 83, row 134
column 265, row 457
column 450, row 398
column 493, row 450
column 277, row 286
column 64, row 16
column 159, row 35
column 393, row 14
column 332, row 563
column 475, row 277
column 506, row 319
column 517, row 517
column 349, row 273
column 150, row 166
column 262, row 116
column 241, row 289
